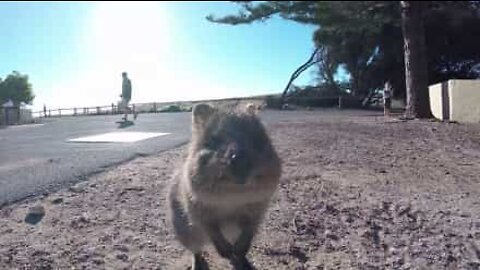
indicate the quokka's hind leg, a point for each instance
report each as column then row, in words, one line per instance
column 199, row 263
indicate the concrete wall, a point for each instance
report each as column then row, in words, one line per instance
column 436, row 100
column 460, row 101
column 464, row 100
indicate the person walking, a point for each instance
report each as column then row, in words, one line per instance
column 126, row 96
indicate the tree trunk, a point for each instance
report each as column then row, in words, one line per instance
column 416, row 69
column 354, row 82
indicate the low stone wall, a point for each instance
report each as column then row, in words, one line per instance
column 456, row 100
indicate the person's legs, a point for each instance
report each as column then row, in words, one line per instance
column 387, row 106
column 135, row 113
column 125, row 109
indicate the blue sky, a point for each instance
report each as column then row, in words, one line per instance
column 74, row 52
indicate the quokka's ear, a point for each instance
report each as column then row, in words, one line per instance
column 201, row 114
column 251, row 109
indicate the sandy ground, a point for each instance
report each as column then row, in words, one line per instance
column 356, row 193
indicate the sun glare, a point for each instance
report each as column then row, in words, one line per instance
column 136, row 37
column 124, row 36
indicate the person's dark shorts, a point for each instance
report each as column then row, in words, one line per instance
column 388, row 103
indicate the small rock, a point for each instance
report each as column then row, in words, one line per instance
column 83, row 257
column 84, row 218
column 98, row 261
column 135, row 188
column 474, row 265
column 122, row 256
column 79, row 220
column 7, row 231
column 6, row 212
column 349, row 219
column 76, row 189
column 57, row 200
column 35, row 214
column 122, row 248
column 331, row 235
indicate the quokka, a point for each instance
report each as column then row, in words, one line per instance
column 223, row 190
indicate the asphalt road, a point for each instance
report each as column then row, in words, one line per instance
column 38, row 158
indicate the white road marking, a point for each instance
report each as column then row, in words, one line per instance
column 119, row 137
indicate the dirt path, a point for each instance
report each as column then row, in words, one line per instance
column 356, row 193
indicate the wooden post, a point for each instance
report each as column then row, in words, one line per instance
column 59, row 112
column 74, row 111
column 98, row 110
column 49, row 113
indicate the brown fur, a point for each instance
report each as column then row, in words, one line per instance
column 226, row 183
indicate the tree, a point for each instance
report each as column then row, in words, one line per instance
column 416, row 73
column 448, row 50
column 366, row 38
column 17, row 88
column 352, row 39
column 337, row 36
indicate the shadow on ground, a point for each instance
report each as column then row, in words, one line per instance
column 124, row 124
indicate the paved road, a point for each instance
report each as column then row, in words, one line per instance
column 36, row 158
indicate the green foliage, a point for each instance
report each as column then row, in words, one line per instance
column 17, row 88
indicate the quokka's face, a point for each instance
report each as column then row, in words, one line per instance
column 228, row 149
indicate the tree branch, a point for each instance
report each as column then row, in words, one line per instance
column 298, row 71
